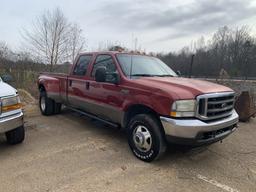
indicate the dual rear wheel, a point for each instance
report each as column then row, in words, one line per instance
column 47, row 105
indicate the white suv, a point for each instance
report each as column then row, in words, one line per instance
column 11, row 115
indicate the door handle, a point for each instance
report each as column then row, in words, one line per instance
column 87, row 84
column 70, row 83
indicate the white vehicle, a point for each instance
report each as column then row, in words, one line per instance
column 11, row 115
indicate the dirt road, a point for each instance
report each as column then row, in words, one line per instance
column 67, row 153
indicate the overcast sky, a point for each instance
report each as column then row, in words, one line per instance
column 159, row 25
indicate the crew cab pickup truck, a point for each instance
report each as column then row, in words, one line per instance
column 11, row 116
column 143, row 95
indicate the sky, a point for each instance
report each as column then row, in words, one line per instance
column 158, row 25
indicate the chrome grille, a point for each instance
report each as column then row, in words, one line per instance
column 215, row 105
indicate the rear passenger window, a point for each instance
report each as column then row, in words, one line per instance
column 82, row 64
column 104, row 61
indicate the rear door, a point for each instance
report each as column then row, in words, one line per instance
column 78, row 84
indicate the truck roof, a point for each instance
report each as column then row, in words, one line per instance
column 115, row 52
column 99, row 52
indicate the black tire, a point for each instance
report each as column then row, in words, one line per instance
column 57, row 108
column 48, row 107
column 156, row 144
column 15, row 136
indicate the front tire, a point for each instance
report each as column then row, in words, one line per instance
column 15, row 136
column 146, row 138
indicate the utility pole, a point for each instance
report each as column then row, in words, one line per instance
column 191, row 65
column 247, row 58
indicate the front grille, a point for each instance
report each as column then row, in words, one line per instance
column 215, row 106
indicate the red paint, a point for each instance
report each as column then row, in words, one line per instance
column 158, row 93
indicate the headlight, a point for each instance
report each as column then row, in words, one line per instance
column 10, row 103
column 183, row 108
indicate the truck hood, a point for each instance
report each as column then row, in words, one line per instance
column 182, row 88
column 6, row 90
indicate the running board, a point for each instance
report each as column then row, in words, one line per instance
column 94, row 117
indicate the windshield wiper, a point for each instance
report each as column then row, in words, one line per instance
column 166, row 75
column 152, row 75
column 143, row 75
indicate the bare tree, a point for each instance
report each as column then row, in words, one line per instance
column 220, row 44
column 3, row 49
column 53, row 39
column 232, row 50
column 76, row 41
column 240, row 48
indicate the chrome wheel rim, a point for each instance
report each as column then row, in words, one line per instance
column 42, row 103
column 142, row 138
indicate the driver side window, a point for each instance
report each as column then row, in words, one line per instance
column 105, row 61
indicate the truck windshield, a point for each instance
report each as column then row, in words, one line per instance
column 135, row 66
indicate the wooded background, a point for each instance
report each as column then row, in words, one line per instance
column 53, row 43
column 229, row 52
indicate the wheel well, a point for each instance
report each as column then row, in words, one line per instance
column 135, row 110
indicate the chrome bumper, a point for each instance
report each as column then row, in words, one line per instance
column 11, row 122
column 199, row 131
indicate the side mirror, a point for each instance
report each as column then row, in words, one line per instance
column 7, row 78
column 178, row 73
column 100, row 74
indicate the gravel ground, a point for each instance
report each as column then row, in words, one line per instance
column 68, row 152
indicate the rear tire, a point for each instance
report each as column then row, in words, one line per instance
column 15, row 136
column 46, row 104
column 57, row 108
column 146, row 138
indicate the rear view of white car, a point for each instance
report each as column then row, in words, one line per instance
column 11, row 115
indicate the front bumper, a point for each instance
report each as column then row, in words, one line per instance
column 11, row 122
column 197, row 132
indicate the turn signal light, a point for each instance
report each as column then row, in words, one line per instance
column 11, row 107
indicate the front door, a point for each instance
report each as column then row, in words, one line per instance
column 106, row 98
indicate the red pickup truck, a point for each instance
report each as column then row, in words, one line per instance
column 143, row 95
